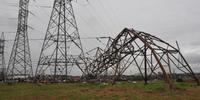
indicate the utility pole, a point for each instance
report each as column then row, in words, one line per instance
column 2, row 59
column 20, row 65
column 62, row 45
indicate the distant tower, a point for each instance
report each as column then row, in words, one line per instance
column 62, row 45
column 20, row 64
column 2, row 59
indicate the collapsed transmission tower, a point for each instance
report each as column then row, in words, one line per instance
column 2, row 59
column 92, row 55
column 147, row 54
column 89, row 57
column 62, row 45
column 20, row 65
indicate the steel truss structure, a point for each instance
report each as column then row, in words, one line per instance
column 92, row 55
column 62, row 46
column 89, row 57
column 148, row 55
column 2, row 59
column 20, row 65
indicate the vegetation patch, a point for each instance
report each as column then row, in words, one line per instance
column 87, row 91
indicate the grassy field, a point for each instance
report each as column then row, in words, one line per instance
column 80, row 91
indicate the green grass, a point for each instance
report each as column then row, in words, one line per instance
column 159, row 86
column 80, row 91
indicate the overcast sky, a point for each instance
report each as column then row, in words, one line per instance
column 170, row 20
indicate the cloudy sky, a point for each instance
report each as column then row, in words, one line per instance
column 171, row 20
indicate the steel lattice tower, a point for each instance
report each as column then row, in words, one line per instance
column 2, row 59
column 20, row 64
column 62, row 45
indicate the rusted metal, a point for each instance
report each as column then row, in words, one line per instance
column 141, row 50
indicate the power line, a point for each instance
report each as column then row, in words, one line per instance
column 97, row 17
column 85, row 38
column 106, row 11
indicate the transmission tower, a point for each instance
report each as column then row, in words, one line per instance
column 20, row 65
column 2, row 59
column 62, row 45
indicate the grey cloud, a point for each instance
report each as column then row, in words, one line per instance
column 169, row 20
column 193, row 58
column 195, row 43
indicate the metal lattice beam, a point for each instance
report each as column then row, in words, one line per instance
column 20, row 65
column 147, row 53
column 62, row 45
column 2, row 59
